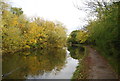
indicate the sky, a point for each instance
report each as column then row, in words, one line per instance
column 60, row 10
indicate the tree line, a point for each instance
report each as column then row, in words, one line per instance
column 20, row 32
column 102, row 32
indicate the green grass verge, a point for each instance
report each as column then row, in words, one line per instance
column 80, row 72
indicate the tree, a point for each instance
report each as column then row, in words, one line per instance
column 72, row 37
column 17, row 11
column 19, row 33
column 104, row 32
column 82, row 36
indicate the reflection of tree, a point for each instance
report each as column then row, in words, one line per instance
column 76, row 52
column 35, row 63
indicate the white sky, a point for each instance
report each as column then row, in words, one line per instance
column 60, row 10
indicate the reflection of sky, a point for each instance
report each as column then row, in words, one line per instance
column 61, row 10
column 65, row 73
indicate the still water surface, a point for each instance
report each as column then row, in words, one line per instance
column 39, row 64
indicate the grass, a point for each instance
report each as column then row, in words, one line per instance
column 80, row 72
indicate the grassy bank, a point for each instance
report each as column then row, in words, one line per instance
column 83, row 66
column 81, row 70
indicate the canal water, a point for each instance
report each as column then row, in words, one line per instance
column 40, row 64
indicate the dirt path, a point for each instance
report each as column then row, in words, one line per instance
column 99, row 68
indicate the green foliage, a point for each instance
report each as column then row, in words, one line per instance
column 81, row 70
column 76, row 52
column 82, row 36
column 72, row 37
column 17, row 11
column 19, row 33
column 103, row 31
column 78, row 36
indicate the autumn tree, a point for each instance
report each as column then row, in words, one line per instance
column 21, row 33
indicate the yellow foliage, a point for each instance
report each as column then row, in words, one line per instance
column 27, row 46
column 40, row 39
column 20, row 33
column 33, row 41
column 82, row 36
column 38, row 35
column 26, row 53
column 21, row 25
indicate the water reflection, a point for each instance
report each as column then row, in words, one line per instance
column 22, row 64
column 76, row 52
column 40, row 64
column 65, row 73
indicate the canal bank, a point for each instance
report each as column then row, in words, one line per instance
column 94, row 66
column 81, row 70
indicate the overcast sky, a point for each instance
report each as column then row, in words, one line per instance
column 60, row 10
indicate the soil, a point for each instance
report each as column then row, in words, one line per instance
column 98, row 66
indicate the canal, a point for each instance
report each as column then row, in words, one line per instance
column 41, row 64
